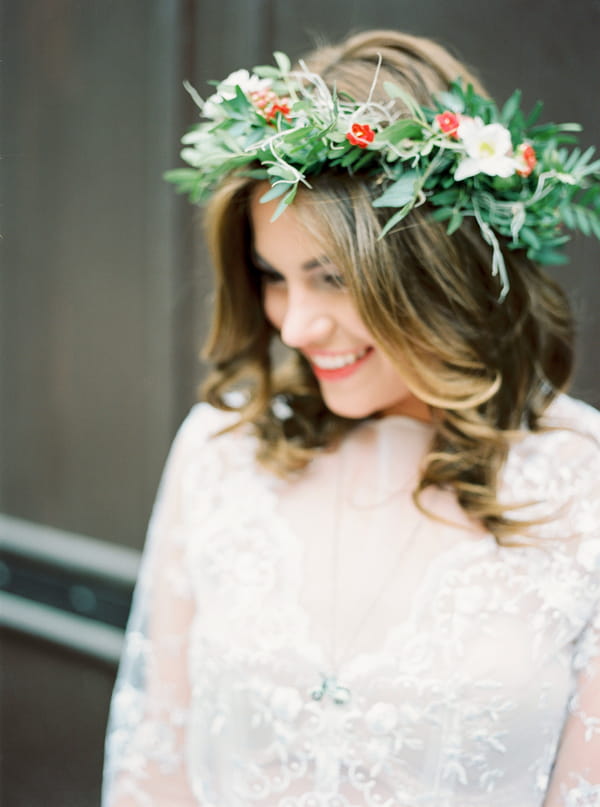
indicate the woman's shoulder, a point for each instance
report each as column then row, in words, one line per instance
column 207, row 431
column 556, row 471
column 204, row 421
column 568, row 429
column 573, row 414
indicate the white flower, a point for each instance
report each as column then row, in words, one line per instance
column 488, row 147
column 247, row 82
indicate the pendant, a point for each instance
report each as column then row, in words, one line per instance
column 340, row 695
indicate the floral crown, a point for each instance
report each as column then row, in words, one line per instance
column 464, row 157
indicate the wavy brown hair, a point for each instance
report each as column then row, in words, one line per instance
column 488, row 369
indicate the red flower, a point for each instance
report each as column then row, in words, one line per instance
column 268, row 104
column 448, row 123
column 261, row 98
column 526, row 159
column 281, row 107
column 360, row 135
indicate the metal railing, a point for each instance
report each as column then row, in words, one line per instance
column 65, row 588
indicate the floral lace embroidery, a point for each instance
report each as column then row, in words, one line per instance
column 466, row 697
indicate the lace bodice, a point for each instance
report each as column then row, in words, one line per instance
column 320, row 642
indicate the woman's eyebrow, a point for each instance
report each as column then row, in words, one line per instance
column 312, row 263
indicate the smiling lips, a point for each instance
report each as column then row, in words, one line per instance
column 334, row 366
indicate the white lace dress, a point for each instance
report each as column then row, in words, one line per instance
column 320, row 643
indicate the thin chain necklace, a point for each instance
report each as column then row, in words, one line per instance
column 329, row 685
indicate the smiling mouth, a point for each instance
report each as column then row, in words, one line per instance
column 339, row 365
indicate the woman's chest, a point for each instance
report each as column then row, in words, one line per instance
column 334, row 632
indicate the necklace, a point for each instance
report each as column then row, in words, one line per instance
column 329, row 685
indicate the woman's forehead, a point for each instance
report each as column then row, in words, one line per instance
column 283, row 238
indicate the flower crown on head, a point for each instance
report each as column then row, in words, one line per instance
column 464, row 157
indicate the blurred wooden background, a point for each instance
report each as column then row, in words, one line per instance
column 104, row 280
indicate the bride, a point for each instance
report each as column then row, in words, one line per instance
column 372, row 571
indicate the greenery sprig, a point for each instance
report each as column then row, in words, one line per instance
column 465, row 157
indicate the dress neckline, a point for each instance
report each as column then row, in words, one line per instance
column 403, row 420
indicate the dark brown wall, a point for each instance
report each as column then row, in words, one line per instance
column 94, row 272
column 103, row 281
column 52, row 720
column 103, row 298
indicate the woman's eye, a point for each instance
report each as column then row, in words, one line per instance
column 269, row 276
column 334, row 280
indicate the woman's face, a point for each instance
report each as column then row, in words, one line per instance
column 305, row 301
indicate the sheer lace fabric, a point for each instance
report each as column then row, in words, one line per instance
column 320, row 642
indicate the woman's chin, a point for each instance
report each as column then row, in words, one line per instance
column 410, row 407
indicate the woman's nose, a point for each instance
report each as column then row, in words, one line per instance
column 305, row 322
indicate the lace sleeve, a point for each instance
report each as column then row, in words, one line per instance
column 145, row 746
column 576, row 777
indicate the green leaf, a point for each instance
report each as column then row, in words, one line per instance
column 232, row 144
column 399, row 130
column 279, row 209
column 442, row 213
column 282, row 61
column 444, row 197
column 549, row 257
column 395, row 219
column 399, row 193
column 569, row 127
column 350, row 157
column 455, row 221
column 448, row 181
column 528, row 237
column 572, row 160
column 591, row 168
column 337, row 137
column 266, row 71
column 289, row 198
column 274, row 192
column 366, row 157
column 256, row 173
column 568, row 216
column 583, row 165
column 557, row 240
column 452, row 101
column 510, row 107
column 534, row 114
column 503, row 184
column 591, row 197
column 582, row 220
column 279, row 171
column 239, row 103
column 516, row 125
column 180, row 175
